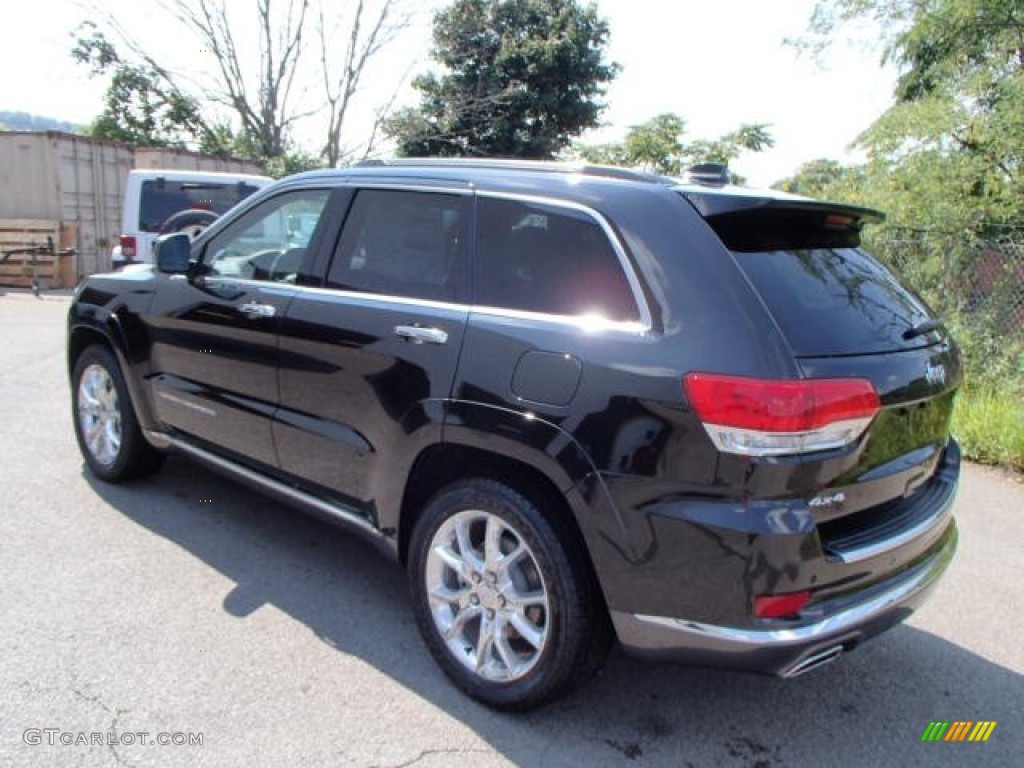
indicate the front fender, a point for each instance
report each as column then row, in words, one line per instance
column 120, row 328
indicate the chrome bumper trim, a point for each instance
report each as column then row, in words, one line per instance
column 733, row 639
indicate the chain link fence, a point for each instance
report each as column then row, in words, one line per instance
column 980, row 283
column 976, row 286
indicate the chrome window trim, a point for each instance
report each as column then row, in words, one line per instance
column 382, row 298
column 582, row 322
column 620, row 251
column 589, row 323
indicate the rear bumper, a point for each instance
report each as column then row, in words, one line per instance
column 788, row 648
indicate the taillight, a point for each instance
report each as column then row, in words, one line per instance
column 780, row 606
column 128, row 247
column 764, row 417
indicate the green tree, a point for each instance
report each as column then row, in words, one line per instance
column 946, row 163
column 292, row 161
column 658, row 145
column 949, row 152
column 825, row 179
column 520, row 78
column 140, row 107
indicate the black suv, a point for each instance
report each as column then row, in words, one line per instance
column 576, row 403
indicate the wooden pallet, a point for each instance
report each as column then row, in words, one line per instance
column 50, row 270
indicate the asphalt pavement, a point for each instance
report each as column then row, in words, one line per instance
column 187, row 608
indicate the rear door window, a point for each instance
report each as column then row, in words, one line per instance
column 549, row 259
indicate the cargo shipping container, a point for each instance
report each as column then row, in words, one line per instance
column 71, row 188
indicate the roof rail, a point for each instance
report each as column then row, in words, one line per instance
column 586, row 169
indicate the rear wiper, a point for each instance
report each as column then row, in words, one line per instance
column 925, row 326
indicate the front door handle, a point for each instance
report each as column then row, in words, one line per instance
column 256, row 309
column 417, row 334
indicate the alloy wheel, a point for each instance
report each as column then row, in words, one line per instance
column 99, row 414
column 487, row 596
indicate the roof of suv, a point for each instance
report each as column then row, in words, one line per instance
column 710, row 198
column 469, row 168
column 518, row 175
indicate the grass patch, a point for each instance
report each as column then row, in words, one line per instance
column 989, row 423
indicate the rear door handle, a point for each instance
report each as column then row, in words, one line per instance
column 256, row 309
column 418, row 334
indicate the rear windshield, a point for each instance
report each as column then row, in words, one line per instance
column 834, row 301
column 828, row 296
column 162, row 198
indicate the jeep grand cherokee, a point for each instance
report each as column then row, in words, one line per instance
column 576, row 403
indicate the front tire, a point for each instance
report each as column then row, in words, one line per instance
column 108, row 433
column 507, row 612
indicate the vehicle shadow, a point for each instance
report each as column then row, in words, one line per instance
column 869, row 708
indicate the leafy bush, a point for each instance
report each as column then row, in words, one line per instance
column 973, row 285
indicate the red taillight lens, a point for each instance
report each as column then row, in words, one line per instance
column 763, row 417
column 779, row 406
column 128, row 246
column 780, row 606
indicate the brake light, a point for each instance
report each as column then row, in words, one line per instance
column 780, row 606
column 764, row 417
column 839, row 221
column 128, row 247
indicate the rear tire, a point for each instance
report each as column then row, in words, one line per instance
column 508, row 611
column 108, row 433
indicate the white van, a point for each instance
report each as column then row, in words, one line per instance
column 160, row 201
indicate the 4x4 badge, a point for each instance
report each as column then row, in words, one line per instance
column 827, row 501
column 935, row 374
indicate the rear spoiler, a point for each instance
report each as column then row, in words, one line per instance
column 764, row 223
column 717, row 203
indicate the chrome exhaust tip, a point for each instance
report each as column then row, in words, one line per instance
column 814, row 661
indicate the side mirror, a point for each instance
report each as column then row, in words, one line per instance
column 173, row 253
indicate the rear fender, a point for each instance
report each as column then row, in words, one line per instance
column 556, row 454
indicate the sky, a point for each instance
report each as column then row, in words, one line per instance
column 718, row 64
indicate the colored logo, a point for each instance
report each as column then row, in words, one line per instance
column 958, row 730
